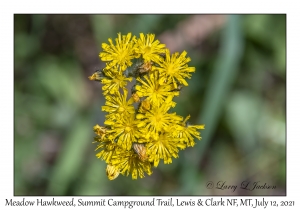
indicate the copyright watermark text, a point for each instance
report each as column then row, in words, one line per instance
column 245, row 185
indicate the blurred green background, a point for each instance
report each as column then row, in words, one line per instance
column 238, row 91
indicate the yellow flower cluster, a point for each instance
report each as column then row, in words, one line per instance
column 139, row 128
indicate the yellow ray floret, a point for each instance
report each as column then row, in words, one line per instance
column 156, row 93
column 120, row 54
column 149, row 48
column 165, row 147
column 113, row 81
column 157, row 119
column 107, row 148
column 128, row 162
column 124, row 130
column 174, row 69
column 188, row 132
column 117, row 105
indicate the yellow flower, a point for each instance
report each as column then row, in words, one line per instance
column 141, row 131
column 128, row 162
column 120, row 54
column 157, row 119
column 117, row 105
column 107, row 147
column 175, row 69
column 155, row 92
column 113, row 81
column 188, row 132
column 149, row 49
column 165, row 147
column 124, row 130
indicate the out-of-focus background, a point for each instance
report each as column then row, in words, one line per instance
column 238, row 91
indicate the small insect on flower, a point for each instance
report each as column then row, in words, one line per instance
column 145, row 67
column 112, row 172
column 135, row 97
column 144, row 106
column 178, row 88
column 163, row 55
column 97, row 75
column 100, row 131
column 140, row 149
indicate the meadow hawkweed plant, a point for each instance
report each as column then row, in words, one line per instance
column 139, row 128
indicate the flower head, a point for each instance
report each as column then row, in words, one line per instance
column 117, row 105
column 157, row 119
column 149, row 49
column 107, row 148
column 113, row 81
column 174, row 69
column 165, row 147
column 156, row 93
column 129, row 163
column 187, row 132
column 124, row 130
column 120, row 54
